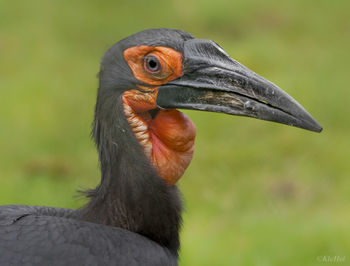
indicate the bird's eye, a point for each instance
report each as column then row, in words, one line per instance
column 152, row 64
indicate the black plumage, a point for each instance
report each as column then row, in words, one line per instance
column 36, row 235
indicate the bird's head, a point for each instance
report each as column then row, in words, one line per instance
column 154, row 72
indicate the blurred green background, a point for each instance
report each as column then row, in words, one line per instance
column 256, row 193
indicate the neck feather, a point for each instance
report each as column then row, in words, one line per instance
column 131, row 194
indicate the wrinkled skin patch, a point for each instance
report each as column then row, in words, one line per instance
column 167, row 138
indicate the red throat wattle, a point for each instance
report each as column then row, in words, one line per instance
column 167, row 138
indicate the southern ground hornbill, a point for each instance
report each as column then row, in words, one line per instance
column 133, row 216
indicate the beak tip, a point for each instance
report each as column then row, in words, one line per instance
column 313, row 125
column 319, row 129
column 316, row 129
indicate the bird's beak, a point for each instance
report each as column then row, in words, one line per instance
column 213, row 81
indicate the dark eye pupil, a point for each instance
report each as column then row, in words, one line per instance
column 152, row 63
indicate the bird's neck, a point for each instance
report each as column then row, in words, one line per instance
column 131, row 195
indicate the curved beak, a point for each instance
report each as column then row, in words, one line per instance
column 213, row 81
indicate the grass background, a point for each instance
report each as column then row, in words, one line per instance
column 256, row 193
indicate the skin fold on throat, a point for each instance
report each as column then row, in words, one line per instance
column 167, row 137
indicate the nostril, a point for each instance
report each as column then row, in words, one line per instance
column 249, row 105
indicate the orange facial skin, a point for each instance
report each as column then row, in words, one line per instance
column 170, row 60
column 168, row 137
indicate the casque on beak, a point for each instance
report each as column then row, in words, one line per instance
column 213, row 81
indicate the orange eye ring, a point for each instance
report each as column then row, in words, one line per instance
column 139, row 57
column 156, row 66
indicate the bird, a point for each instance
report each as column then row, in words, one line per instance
column 144, row 144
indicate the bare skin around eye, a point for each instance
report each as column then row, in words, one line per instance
column 170, row 60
